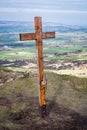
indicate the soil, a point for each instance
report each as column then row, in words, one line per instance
column 58, row 117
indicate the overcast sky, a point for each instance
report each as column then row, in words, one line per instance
column 70, row 12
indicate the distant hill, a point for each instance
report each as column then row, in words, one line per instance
column 16, row 27
column 10, row 30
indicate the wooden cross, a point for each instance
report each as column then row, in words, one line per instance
column 38, row 36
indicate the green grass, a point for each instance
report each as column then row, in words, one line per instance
column 62, row 49
column 18, row 53
column 54, row 58
column 21, row 69
column 29, row 53
column 19, row 98
column 76, row 82
column 83, row 57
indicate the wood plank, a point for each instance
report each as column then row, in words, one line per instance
column 48, row 35
column 32, row 36
column 39, row 46
column 27, row 36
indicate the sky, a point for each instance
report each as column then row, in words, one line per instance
column 70, row 12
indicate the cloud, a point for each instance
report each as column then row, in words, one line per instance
column 28, row 10
column 6, row 10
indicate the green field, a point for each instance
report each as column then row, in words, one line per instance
column 66, row 46
column 17, row 53
column 56, row 53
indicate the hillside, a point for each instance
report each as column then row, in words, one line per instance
column 66, row 95
column 66, row 102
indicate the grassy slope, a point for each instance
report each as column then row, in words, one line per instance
column 19, row 101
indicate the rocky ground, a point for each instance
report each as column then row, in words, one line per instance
column 77, row 68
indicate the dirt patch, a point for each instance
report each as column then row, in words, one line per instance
column 64, row 120
column 58, row 118
column 4, row 101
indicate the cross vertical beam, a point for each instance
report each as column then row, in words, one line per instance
column 38, row 36
column 39, row 46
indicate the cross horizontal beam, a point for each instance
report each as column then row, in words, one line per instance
column 33, row 36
